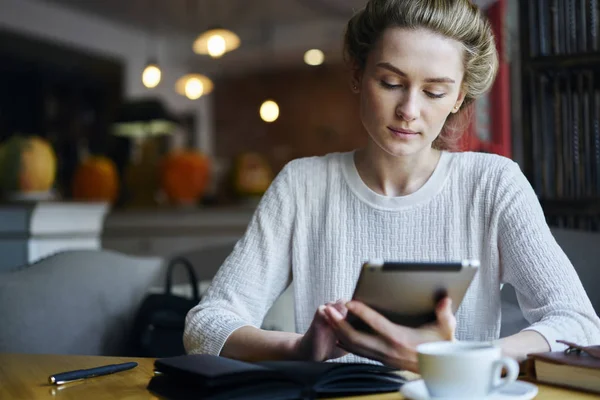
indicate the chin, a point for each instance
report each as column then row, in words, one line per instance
column 404, row 149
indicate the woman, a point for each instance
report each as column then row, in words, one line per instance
column 417, row 65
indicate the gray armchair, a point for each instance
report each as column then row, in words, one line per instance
column 583, row 249
column 74, row 302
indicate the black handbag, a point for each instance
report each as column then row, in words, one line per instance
column 159, row 324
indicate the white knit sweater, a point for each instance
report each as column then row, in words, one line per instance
column 318, row 222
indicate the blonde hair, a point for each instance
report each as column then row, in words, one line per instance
column 456, row 19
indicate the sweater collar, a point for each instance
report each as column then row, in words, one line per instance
column 431, row 187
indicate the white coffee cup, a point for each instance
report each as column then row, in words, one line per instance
column 464, row 370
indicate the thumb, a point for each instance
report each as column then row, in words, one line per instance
column 340, row 306
column 445, row 318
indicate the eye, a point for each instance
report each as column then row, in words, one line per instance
column 386, row 85
column 435, row 95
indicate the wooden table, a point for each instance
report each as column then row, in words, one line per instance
column 25, row 377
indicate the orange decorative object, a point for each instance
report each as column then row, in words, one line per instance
column 252, row 175
column 184, row 176
column 27, row 165
column 96, row 179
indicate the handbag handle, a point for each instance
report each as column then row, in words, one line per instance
column 191, row 274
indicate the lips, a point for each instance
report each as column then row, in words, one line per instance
column 402, row 132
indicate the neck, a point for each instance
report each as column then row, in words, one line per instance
column 393, row 176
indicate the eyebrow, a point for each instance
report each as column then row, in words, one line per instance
column 388, row 66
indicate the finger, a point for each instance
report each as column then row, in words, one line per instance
column 381, row 325
column 322, row 317
column 446, row 319
column 374, row 347
column 357, row 342
column 340, row 305
column 343, row 330
column 321, row 310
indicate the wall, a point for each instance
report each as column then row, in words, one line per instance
column 318, row 114
column 89, row 33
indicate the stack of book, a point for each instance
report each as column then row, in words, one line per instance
column 561, row 108
column 571, row 369
column 566, row 134
column 563, row 27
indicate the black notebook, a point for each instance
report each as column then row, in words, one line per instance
column 212, row 377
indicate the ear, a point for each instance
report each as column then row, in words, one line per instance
column 459, row 101
column 356, row 78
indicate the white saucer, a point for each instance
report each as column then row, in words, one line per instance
column 517, row 390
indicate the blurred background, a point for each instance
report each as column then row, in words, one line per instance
column 181, row 111
column 120, row 90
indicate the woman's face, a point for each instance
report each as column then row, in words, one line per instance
column 410, row 84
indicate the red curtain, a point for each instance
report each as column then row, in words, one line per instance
column 490, row 127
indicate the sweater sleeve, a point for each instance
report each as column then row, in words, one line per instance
column 251, row 278
column 548, row 288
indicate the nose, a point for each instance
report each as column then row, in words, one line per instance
column 408, row 107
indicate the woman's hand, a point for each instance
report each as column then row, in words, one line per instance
column 393, row 345
column 319, row 343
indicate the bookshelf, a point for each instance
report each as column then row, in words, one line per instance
column 560, row 78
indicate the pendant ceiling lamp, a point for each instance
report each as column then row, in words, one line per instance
column 194, row 86
column 217, row 40
column 269, row 109
column 152, row 73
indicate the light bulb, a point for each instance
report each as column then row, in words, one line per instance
column 216, row 46
column 314, row 57
column 151, row 76
column 194, row 88
column 269, row 111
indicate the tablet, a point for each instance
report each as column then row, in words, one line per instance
column 406, row 293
